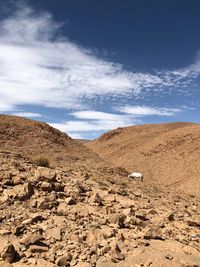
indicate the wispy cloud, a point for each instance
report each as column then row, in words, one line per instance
column 37, row 67
column 27, row 114
column 147, row 111
column 96, row 115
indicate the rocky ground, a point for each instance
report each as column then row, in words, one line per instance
column 56, row 217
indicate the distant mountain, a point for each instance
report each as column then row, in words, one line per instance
column 167, row 154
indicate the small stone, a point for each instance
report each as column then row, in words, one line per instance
column 33, row 203
column 83, row 257
column 70, row 201
column 37, row 217
column 52, row 257
column 54, row 233
column 148, row 263
column 38, row 249
column 98, row 200
column 194, row 223
column 116, row 254
column 47, row 203
column 169, row 257
column 118, row 219
column 16, row 180
column 46, row 186
column 170, row 216
column 194, row 208
column 30, row 239
column 58, row 187
column 45, row 174
column 153, row 233
column 19, row 229
column 28, row 221
column 64, row 260
column 62, row 208
column 86, row 176
column 9, row 253
column 26, row 192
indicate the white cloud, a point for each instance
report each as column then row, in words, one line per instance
column 35, row 69
column 97, row 121
column 146, row 111
column 38, row 68
column 4, row 107
column 76, row 135
column 27, row 114
column 89, row 121
column 93, row 125
column 96, row 115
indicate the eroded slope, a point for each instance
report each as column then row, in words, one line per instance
column 34, row 139
column 167, row 154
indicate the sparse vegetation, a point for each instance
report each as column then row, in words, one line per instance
column 124, row 184
column 41, row 161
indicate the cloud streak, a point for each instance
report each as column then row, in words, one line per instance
column 27, row 114
column 141, row 111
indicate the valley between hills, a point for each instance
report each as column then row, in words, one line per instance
column 65, row 202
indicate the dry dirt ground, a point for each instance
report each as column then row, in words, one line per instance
column 84, row 216
column 166, row 154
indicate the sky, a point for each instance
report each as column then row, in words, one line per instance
column 89, row 66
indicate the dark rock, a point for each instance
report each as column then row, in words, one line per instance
column 9, row 253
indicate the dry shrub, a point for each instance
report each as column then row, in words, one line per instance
column 41, row 161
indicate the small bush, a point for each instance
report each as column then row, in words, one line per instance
column 123, row 184
column 41, row 161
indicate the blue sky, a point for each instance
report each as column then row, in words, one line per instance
column 86, row 67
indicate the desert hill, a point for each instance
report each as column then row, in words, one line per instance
column 34, row 139
column 167, row 154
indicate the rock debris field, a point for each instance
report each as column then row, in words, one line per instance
column 56, row 217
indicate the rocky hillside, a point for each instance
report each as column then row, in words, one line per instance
column 36, row 140
column 166, row 154
column 50, row 217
